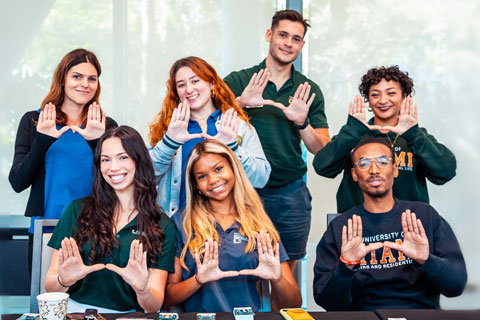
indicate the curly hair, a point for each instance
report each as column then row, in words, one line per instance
column 96, row 219
column 375, row 75
column 223, row 98
column 56, row 95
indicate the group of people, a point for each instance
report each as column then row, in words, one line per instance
column 217, row 201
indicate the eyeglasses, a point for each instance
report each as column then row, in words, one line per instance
column 365, row 163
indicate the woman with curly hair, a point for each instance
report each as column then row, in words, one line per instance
column 225, row 241
column 199, row 105
column 114, row 249
column 418, row 154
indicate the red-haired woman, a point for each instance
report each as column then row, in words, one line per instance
column 199, row 105
column 53, row 148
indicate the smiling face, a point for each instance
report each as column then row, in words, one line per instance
column 385, row 99
column 375, row 182
column 117, row 168
column 286, row 41
column 192, row 88
column 214, row 177
column 81, row 83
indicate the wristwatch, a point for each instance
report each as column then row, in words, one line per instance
column 302, row 126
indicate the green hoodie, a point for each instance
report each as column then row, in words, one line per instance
column 417, row 153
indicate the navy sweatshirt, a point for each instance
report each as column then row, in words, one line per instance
column 388, row 278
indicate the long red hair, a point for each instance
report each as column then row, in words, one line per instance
column 223, row 97
column 56, row 95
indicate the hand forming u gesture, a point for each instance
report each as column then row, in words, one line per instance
column 407, row 118
column 47, row 122
column 357, row 110
column 268, row 260
column 208, row 270
column 95, row 126
column 415, row 242
column 227, row 128
column 178, row 126
column 298, row 109
column 353, row 248
column 252, row 94
column 70, row 264
column 136, row 271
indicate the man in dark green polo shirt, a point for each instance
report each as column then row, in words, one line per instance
column 285, row 107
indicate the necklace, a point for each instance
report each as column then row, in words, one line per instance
column 223, row 215
column 394, row 141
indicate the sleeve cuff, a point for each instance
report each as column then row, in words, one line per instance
column 233, row 145
column 411, row 133
column 170, row 142
column 357, row 125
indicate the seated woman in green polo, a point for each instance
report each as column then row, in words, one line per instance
column 114, row 249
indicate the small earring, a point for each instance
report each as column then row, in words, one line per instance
column 200, row 192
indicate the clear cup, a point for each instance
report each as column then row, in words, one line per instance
column 52, row 305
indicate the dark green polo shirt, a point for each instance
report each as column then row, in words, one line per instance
column 105, row 288
column 280, row 138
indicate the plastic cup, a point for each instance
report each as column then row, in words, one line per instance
column 52, row 305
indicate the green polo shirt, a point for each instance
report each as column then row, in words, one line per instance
column 280, row 138
column 106, row 288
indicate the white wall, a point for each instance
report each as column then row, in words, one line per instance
column 437, row 42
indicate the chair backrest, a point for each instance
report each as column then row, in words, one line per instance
column 331, row 216
column 41, row 257
column 264, row 287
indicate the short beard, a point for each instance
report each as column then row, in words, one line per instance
column 378, row 195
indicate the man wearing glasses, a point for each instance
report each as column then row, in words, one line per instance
column 419, row 156
column 386, row 253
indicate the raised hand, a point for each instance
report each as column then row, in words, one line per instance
column 95, row 126
column 208, row 270
column 252, row 94
column 407, row 118
column 298, row 109
column 47, row 122
column 357, row 110
column 415, row 242
column 268, row 260
column 136, row 271
column 70, row 264
column 353, row 248
column 178, row 126
column 227, row 128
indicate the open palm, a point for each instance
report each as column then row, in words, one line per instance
column 268, row 260
column 136, row 271
column 208, row 270
column 70, row 264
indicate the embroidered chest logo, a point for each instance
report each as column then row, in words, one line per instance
column 290, row 99
column 403, row 159
column 238, row 238
column 137, row 232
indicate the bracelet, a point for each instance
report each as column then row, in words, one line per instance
column 58, row 279
column 302, row 126
column 196, row 279
column 349, row 262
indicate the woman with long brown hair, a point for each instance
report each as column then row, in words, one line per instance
column 53, row 148
column 199, row 105
column 225, row 240
column 99, row 242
